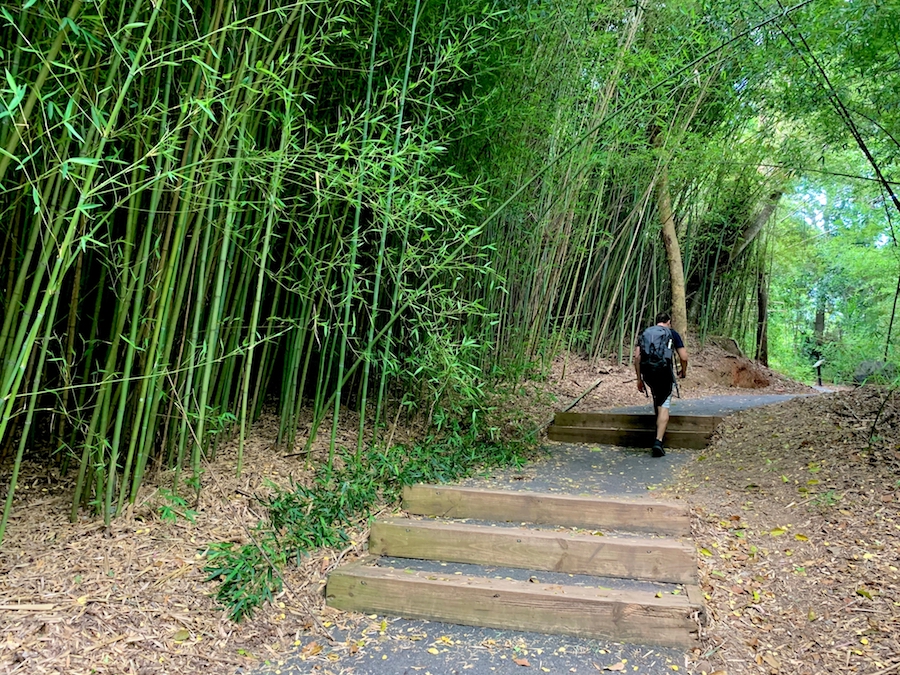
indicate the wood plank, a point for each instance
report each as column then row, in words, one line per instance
column 695, row 596
column 629, row 438
column 498, row 603
column 635, row 515
column 637, row 421
column 663, row 560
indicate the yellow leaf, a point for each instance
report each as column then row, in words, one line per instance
column 864, row 593
column 311, row 649
column 181, row 635
column 864, row 641
column 82, row 600
column 778, row 531
column 811, row 616
column 432, row 650
column 673, row 667
column 801, row 537
column 706, row 552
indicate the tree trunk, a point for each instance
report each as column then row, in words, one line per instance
column 762, row 324
column 673, row 252
column 755, row 226
column 819, row 328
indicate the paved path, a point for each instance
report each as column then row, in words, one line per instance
column 395, row 646
column 714, row 405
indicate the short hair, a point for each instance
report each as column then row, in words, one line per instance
column 663, row 317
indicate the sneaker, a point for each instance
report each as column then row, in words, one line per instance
column 658, row 449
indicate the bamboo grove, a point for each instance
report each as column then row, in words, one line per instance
column 357, row 205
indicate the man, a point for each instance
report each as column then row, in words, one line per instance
column 653, row 361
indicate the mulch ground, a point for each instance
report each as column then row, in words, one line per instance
column 800, row 575
column 797, row 523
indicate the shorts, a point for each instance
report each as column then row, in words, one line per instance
column 661, row 390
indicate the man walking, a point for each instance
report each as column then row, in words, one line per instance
column 653, row 363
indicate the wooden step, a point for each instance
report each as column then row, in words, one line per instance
column 637, row 421
column 622, row 616
column 635, row 515
column 663, row 560
column 632, row 430
column 629, row 438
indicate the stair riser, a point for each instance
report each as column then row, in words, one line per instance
column 538, row 508
column 651, row 560
column 704, row 423
column 456, row 601
column 632, row 438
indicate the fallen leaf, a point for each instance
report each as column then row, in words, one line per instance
column 778, row 531
column 772, row 661
column 181, row 635
column 432, row 650
column 706, row 552
column 616, row 666
column 801, row 537
column 311, row 649
column 522, row 662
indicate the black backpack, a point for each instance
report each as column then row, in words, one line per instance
column 656, row 351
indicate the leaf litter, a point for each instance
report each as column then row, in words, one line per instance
column 796, row 515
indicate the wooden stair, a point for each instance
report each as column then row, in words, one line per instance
column 632, row 430
column 583, row 547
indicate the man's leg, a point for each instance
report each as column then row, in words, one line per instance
column 662, row 396
column 662, row 421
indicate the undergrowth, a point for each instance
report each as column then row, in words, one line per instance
column 305, row 518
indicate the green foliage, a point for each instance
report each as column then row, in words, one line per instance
column 319, row 515
column 834, row 256
column 248, row 575
column 174, row 507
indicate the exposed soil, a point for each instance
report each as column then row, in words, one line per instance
column 77, row 598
